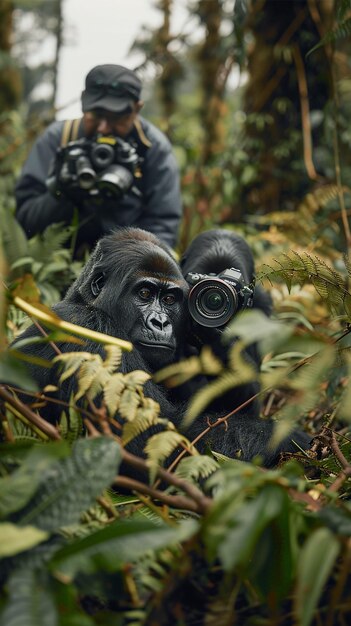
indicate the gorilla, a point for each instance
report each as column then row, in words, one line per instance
column 211, row 253
column 133, row 288
column 216, row 250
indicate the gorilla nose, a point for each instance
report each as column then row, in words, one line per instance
column 158, row 321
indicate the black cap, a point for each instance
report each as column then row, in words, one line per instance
column 111, row 87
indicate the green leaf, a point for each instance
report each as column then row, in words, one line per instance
column 124, row 541
column 234, row 541
column 17, row 488
column 71, row 486
column 13, row 372
column 14, row 240
column 252, row 326
column 30, row 604
column 314, row 566
column 15, row 539
column 272, row 567
column 337, row 519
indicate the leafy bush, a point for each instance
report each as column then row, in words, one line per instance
column 208, row 538
column 205, row 540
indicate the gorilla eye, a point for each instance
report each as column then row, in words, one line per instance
column 145, row 293
column 169, row 299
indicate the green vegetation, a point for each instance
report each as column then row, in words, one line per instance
column 209, row 540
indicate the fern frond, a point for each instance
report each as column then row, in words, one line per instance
column 213, row 390
column 113, row 358
column 320, row 197
column 342, row 31
column 243, row 370
column 44, row 247
column 178, row 373
column 240, row 372
column 152, row 515
column 71, row 362
column 316, row 371
column 136, row 379
column 92, row 377
column 146, row 415
column 196, row 467
column 141, row 423
column 341, row 9
column 306, row 387
column 150, row 407
column 303, row 268
column 161, row 445
column 71, row 426
column 14, row 418
column 20, row 431
column 113, row 390
column 210, row 364
column 129, row 404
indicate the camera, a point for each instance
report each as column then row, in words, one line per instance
column 215, row 298
column 104, row 165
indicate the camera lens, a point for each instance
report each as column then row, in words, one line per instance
column 212, row 302
column 115, row 181
column 102, row 155
column 85, row 173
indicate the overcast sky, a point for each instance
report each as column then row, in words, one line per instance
column 102, row 31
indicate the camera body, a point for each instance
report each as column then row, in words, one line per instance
column 215, row 298
column 105, row 165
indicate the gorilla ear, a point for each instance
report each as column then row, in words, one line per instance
column 97, row 284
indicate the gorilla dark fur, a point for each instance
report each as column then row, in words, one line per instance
column 132, row 288
column 217, row 250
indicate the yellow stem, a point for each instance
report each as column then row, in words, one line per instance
column 52, row 322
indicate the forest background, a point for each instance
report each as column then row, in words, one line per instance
column 227, row 542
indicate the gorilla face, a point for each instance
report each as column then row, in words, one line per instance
column 134, row 280
column 153, row 313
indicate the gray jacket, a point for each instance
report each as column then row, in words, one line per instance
column 155, row 206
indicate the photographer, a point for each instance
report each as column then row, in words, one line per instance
column 140, row 188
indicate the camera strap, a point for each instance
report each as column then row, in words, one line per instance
column 141, row 135
column 70, row 131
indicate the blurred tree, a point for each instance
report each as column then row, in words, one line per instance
column 36, row 23
column 215, row 57
column 285, row 102
column 10, row 81
column 10, row 97
column 156, row 45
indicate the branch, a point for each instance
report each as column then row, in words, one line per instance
column 272, row 83
column 177, row 502
column 219, row 421
column 202, row 502
column 305, row 113
column 198, row 499
column 32, row 417
column 346, row 467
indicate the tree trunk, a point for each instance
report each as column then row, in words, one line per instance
column 10, row 80
column 285, row 84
